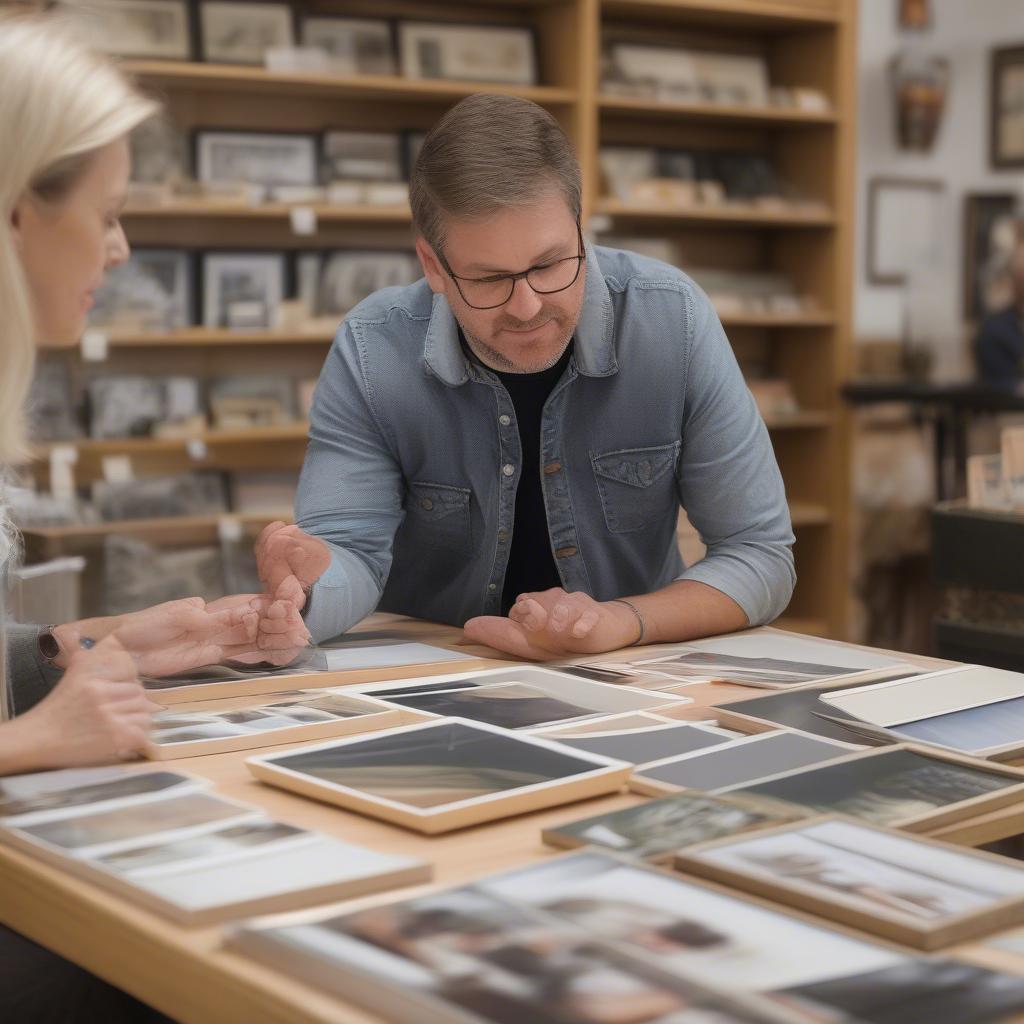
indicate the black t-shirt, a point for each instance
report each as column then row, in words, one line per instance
column 531, row 565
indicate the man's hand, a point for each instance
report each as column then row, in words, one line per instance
column 280, row 633
column 290, row 562
column 553, row 623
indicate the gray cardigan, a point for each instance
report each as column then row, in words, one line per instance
column 31, row 675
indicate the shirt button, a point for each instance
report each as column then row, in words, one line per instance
column 492, row 586
column 504, row 420
column 427, row 504
column 508, row 469
column 503, row 535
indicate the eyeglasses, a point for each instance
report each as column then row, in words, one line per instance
column 544, row 279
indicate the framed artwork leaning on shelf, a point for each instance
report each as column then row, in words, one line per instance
column 354, row 46
column 474, row 53
column 143, row 29
column 241, row 33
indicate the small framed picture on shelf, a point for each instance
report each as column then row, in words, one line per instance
column 346, row 278
column 362, row 156
column 153, row 291
column 159, row 153
column 243, row 290
column 1006, row 109
column 904, row 224
column 241, row 33
column 354, row 46
column 144, row 29
column 474, row 53
column 267, row 159
column 989, row 241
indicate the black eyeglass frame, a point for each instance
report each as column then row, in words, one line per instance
column 514, row 279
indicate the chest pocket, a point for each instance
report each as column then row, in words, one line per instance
column 438, row 516
column 637, row 486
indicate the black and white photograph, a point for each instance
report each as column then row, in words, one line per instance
column 655, row 829
column 334, row 283
column 150, row 497
column 149, row 29
column 153, row 291
column 895, row 786
column 988, row 244
column 159, row 151
column 354, row 46
column 241, row 33
column 266, row 159
column 1006, row 108
column 243, row 290
column 474, row 53
column 640, row 747
column 141, row 406
column 362, row 156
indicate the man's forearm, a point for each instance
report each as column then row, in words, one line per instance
column 687, row 610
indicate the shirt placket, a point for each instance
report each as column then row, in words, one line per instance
column 572, row 570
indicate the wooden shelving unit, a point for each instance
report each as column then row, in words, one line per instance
column 806, row 43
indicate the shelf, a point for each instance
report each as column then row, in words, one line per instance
column 99, row 447
column 770, row 116
column 760, row 15
column 734, row 215
column 255, row 80
column 807, row 514
column 786, row 320
column 204, row 337
column 328, row 213
column 799, row 421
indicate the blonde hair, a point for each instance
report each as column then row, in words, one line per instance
column 59, row 103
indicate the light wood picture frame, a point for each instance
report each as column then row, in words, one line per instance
column 778, row 746
column 593, row 698
column 367, row 715
column 625, row 721
column 505, row 54
column 795, row 711
column 780, row 787
column 1006, row 108
column 880, row 876
column 486, row 773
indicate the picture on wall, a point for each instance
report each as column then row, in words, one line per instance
column 989, row 240
column 904, row 224
column 1006, row 108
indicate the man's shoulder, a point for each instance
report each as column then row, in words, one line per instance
column 625, row 270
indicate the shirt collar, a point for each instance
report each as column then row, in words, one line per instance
column 594, row 352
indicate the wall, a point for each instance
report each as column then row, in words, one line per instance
column 964, row 31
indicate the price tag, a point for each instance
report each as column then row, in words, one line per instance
column 117, row 469
column 196, row 448
column 229, row 529
column 62, row 473
column 95, row 346
column 303, row 220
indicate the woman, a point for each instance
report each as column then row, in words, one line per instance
column 65, row 114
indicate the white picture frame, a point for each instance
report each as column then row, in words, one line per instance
column 138, row 29
column 355, row 46
column 241, row 33
column 467, row 53
column 267, row 159
column 424, row 810
column 904, row 231
column 233, row 280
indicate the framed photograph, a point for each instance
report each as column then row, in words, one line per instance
column 441, row 775
column 520, row 698
column 1006, row 109
column 157, row 497
column 736, row 763
column 916, row 891
column 362, row 156
column 144, row 29
column 802, row 710
column 655, row 829
column 989, row 241
column 139, row 406
column 903, row 786
column 332, row 284
column 643, row 746
column 905, row 216
column 241, row 33
column 355, row 46
column 243, row 290
column 626, row 721
column 159, row 153
column 460, row 955
column 307, row 715
column 269, row 159
column 251, row 400
column 469, row 53
column 152, row 291
column 674, row 922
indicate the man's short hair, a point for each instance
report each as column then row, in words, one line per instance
column 488, row 153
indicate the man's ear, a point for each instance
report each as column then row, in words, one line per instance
column 432, row 269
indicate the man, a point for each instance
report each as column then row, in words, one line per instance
column 999, row 348
column 507, row 443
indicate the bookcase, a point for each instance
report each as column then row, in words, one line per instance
column 806, row 43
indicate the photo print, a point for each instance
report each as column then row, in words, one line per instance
column 355, row 46
column 152, row 291
column 241, row 33
column 243, row 291
column 145, row 29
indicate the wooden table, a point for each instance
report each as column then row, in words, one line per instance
column 184, row 972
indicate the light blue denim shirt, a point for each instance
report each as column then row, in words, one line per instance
column 413, row 459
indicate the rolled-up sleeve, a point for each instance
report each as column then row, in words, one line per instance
column 30, row 676
column 729, row 480
column 350, row 492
